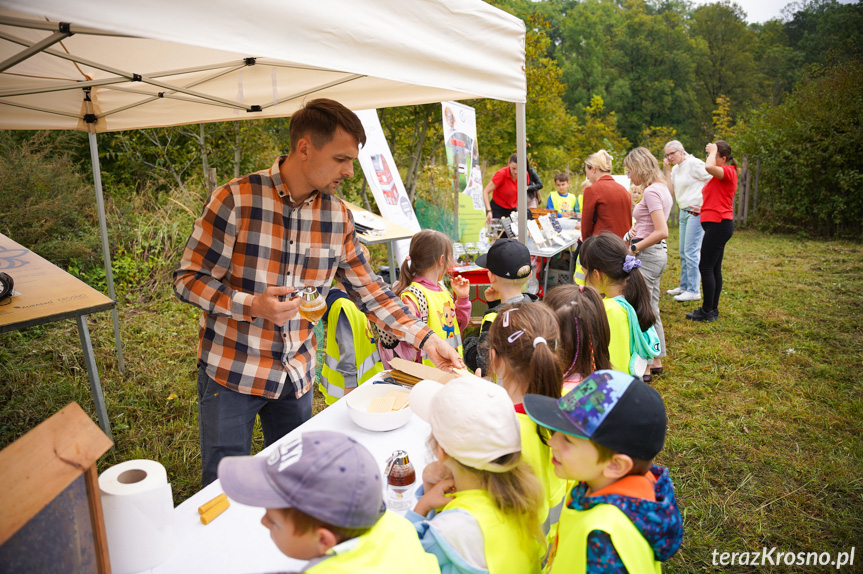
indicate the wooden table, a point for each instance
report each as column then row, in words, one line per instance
column 48, row 294
column 394, row 232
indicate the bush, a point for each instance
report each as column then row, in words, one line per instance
column 811, row 176
column 46, row 205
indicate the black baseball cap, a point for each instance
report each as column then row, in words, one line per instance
column 506, row 258
column 614, row 409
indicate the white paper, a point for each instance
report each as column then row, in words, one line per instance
column 139, row 515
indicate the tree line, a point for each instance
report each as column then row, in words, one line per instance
column 600, row 74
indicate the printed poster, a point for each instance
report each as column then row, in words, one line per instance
column 462, row 153
column 384, row 180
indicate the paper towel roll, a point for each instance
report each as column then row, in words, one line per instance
column 139, row 515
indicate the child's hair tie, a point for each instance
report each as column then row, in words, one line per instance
column 539, row 340
column 631, row 263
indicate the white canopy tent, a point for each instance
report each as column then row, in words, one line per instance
column 108, row 65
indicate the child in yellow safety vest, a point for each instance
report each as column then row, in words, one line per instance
column 323, row 495
column 612, row 270
column 483, row 518
column 522, row 358
column 351, row 354
column 621, row 515
column 509, row 269
column 584, row 332
column 566, row 204
column 419, row 287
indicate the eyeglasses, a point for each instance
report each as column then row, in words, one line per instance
column 668, row 155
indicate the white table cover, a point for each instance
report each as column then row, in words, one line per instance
column 236, row 542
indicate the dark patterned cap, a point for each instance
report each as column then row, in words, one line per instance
column 613, row 409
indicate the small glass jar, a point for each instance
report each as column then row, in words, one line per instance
column 312, row 305
column 401, row 477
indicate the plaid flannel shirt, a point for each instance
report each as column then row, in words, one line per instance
column 250, row 237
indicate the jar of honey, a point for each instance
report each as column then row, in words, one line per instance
column 400, row 478
column 312, row 305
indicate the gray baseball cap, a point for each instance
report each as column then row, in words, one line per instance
column 324, row 474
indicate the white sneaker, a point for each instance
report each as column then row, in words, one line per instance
column 688, row 296
column 675, row 291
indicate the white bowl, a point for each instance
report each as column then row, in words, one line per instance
column 358, row 404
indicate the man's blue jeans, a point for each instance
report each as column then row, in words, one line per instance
column 691, row 234
column 226, row 419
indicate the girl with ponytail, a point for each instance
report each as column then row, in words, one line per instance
column 612, row 270
column 522, row 343
column 584, row 333
column 419, row 287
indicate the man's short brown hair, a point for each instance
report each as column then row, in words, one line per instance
column 319, row 119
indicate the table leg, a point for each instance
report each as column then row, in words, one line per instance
column 392, row 261
column 93, row 375
column 545, row 282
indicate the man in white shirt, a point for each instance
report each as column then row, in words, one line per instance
column 686, row 180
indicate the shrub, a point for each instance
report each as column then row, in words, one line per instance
column 46, row 205
column 811, row 174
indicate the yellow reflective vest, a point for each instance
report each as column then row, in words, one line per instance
column 390, row 547
column 538, row 456
column 561, row 203
column 441, row 317
column 570, row 551
column 366, row 356
column 509, row 546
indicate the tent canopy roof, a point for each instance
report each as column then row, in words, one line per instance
column 164, row 62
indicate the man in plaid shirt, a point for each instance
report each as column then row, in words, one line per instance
column 260, row 238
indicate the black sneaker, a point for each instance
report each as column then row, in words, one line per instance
column 715, row 313
column 701, row 315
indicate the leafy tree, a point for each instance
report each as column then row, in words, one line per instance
column 811, row 175
column 725, row 61
column 724, row 127
column 654, row 138
column 599, row 131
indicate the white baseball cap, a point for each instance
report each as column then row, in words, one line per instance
column 472, row 419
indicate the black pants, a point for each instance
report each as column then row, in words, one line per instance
column 716, row 235
column 497, row 211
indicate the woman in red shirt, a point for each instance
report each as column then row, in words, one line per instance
column 717, row 220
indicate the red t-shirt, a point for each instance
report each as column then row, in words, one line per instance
column 719, row 196
column 505, row 192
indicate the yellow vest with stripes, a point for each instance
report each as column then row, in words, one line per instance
column 368, row 360
column 538, row 456
column 562, row 203
column 509, row 547
column 390, row 547
column 441, row 319
column 570, row 554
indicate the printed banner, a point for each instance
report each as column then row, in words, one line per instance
column 384, row 180
column 462, row 154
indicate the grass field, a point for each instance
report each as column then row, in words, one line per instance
column 764, row 405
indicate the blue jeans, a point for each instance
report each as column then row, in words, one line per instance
column 691, row 234
column 226, row 419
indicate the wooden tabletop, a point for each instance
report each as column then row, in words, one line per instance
column 394, row 231
column 47, row 292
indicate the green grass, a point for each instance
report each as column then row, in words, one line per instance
column 764, row 406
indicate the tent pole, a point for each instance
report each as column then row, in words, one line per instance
column 521, row 151
column 106, row 250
